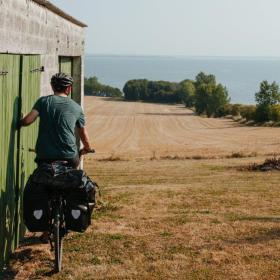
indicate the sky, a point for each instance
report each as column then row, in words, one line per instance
column 179, row 27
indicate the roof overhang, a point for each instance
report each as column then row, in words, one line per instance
column 59, row 12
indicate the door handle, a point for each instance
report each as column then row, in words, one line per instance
column 41, row 69
column 3, row 73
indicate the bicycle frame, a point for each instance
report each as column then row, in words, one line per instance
column 57, row 229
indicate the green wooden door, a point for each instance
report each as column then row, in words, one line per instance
column 66, row 66
column 19, row 89
column 9, row 112
column 30, row 92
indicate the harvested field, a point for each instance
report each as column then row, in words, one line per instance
column 170, row 218
column 129, row 130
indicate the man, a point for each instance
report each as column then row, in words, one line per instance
column 59, row 117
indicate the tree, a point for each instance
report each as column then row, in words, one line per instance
column 202, row 98
column 93, row 87
column 186, row 93
column 218, row 101
column 266, row 98
column 135, row 90
column 203, row 78
column 210, row 98
column 268, row 94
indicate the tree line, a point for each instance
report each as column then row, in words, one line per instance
column 207, row 97
column 155, row 91
column 94, row 87
column 204, row 93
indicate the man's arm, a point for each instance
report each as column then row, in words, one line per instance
column 29, row 118
column 85, row 139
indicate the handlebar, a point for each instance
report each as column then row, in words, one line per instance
column 92, row 151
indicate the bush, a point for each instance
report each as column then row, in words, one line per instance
column 233, row 109
column 227, row 109
column 274, row 113
column 262, row 113
column 236, row 109
column 248, row 112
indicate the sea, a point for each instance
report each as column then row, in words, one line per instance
column 240, row 75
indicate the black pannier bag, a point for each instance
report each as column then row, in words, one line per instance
column 80, row 204
column 58, row 176
column 79, row 191
column 78, row 216
column 36, row 211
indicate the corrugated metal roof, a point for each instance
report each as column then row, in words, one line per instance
column 48, row 5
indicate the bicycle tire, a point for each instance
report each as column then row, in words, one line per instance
column 58, row 245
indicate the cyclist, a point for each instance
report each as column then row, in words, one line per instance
column 59, row 117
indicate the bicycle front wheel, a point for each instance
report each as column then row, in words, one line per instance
column 58, row 244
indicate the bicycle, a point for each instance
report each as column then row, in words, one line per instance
column 57, row 229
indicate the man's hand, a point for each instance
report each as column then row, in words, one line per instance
column 85, row 140
column 28, row 119
column 85, row 151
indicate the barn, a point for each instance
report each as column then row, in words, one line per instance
column 37, row 39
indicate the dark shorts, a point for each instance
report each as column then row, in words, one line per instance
column 73, row 162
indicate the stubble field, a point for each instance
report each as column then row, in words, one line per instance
column 175, row 203
column 132, row 130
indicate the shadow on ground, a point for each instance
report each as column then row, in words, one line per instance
column 167, row 114
column 24, row 256
column 263, row 236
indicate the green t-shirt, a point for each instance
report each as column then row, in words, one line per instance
column 59, row 116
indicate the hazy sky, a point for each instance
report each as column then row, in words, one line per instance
column 179, row 27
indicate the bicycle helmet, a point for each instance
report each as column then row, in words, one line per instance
column 61, row 81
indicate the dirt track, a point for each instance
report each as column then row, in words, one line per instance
column 142, row 130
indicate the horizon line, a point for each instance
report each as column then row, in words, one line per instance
column 181, row 55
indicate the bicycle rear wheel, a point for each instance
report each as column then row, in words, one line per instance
column 58, row 245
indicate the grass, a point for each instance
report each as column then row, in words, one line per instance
column 154, row 157
column 166, row 219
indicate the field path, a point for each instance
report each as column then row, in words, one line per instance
column 143, row 130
